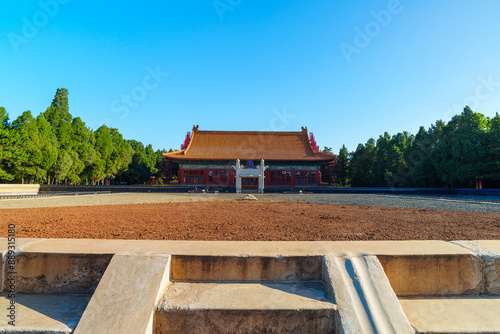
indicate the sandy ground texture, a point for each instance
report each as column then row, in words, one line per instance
column 397, row 201
column 223, row 217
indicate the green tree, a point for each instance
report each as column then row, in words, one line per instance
column 60, row 119
column 48, row 148
column 104, row 149
column 26, row 147
column 5, row 144
column 381, row 165
column 464, row 149
column 363, row 162
column 423, row 170
column 143, row 165
column 397, row 160
column 121, row 155
column 327, row 150
column 493, row 161
column 63, row 164
column 344, row 166
column 82, row 142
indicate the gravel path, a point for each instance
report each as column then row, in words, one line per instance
column 346, row 199
column 398, row 201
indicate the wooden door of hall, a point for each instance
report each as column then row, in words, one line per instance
column 249, row 183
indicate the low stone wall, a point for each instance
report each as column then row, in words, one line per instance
column 296, row 189
column 19, row 189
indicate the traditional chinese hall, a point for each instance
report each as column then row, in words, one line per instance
column 249, row 160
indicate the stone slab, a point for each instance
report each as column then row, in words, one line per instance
column 20, row 243
column 125, row 300
column 246, row 268
column 47, row 314
column 491, row 266
column 60, row 273
column 7, row 189
column 213, row 248
column 365, row 300
column 457, row 315
column 489, row 245
column 450, row 274
column 489, row 253
column 12, row 246
column 293, row 307
column 240, row 248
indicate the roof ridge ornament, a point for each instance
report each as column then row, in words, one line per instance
column 304, row 128
column 195, row 128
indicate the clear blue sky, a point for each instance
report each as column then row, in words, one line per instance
column 348, row 70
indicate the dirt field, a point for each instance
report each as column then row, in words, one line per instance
column 241, row 220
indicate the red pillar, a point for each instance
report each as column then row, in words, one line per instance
column 180, row 176
column 205, row 176
column 318, row 178
column 294, row 172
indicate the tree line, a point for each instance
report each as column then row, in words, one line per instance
column 56, row 148
column 456, row 154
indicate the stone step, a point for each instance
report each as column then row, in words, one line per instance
column 246, row 268
column 42, row 314
column 257, row 307
column 460, row 314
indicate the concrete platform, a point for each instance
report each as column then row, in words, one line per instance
column 457, row 315
column 292, row 307
column 43, row 314
column 246, row 287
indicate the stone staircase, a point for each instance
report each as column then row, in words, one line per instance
column 118, row 286
column 246, row 295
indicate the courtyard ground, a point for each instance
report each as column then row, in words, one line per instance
column 273, row 217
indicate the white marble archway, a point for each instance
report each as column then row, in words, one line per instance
column 257, row 172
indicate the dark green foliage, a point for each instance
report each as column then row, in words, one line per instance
column 344, row 166
column 143, row 165
column 456, row 154
column 494, row 153
column 363, row 164
column 25, row 146
column 328, row 150
column 5, row 146
column 55, row 147
column 48, row 148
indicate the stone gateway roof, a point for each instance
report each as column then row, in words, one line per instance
column 249, row 145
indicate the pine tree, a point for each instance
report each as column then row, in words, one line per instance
column 104, row 149
column 121, row 155
column 344, row 166
column 60, row 119
column 5, row 144
column 82, row 141
column 26, row 147
column 48, row 147
column 493, row 134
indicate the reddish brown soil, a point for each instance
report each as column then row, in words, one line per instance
column 249, row 221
